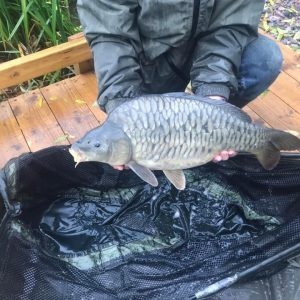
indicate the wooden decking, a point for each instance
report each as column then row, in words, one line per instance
column 63, row 112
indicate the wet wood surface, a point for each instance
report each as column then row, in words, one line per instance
column 54, row 58
column 63, row 112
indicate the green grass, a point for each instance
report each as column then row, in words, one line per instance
column 27, row 26
column 30, row 25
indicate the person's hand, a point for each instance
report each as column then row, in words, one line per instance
column 119, row 167
column 224, row 155
column 217, row 98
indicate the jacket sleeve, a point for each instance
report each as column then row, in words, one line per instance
column 217, row 55
column 112, row 34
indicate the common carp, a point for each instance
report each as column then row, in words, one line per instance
column 172, row 133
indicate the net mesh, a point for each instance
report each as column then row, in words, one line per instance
column 92, row 232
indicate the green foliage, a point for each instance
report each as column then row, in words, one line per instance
column 27, row 26
column 283, row 27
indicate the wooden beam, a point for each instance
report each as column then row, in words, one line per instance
column 85, row 66
column 36, row 64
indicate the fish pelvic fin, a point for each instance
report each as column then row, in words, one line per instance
column 269, row 156
column 143, row 172
column 176, row 177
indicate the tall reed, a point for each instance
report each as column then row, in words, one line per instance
column 27, row 26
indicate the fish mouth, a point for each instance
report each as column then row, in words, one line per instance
column 78, row 156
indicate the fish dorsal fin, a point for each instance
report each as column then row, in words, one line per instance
column 176, row 177
column 143, row 172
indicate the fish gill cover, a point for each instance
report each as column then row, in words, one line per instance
column 92, row 232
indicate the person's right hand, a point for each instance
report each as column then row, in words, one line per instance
column 119, row 167
column 224, row 155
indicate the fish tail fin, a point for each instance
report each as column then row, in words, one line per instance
column 283, row 140
column 278, row 140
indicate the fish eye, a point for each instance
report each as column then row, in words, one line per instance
column 97, row 145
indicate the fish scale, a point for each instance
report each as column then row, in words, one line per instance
column 171, row 133
column 175, row 116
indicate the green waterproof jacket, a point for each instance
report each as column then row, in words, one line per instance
column 128, row 36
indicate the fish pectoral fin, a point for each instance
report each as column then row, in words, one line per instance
column 143, row 172
column 176, row 177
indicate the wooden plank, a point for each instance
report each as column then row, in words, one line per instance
column 86, row 86
column 276, row 112
column 85, row 66
column 288, row 89
column 33, row 65
column 291, row 62
column 76, row 36
column 255, row 117
column 12, row 140
column 72, row 113
column 36, row 120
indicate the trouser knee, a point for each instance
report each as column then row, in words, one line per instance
column 260, row 66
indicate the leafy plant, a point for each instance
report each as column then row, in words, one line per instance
column 30, row 25
column 27, row 26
